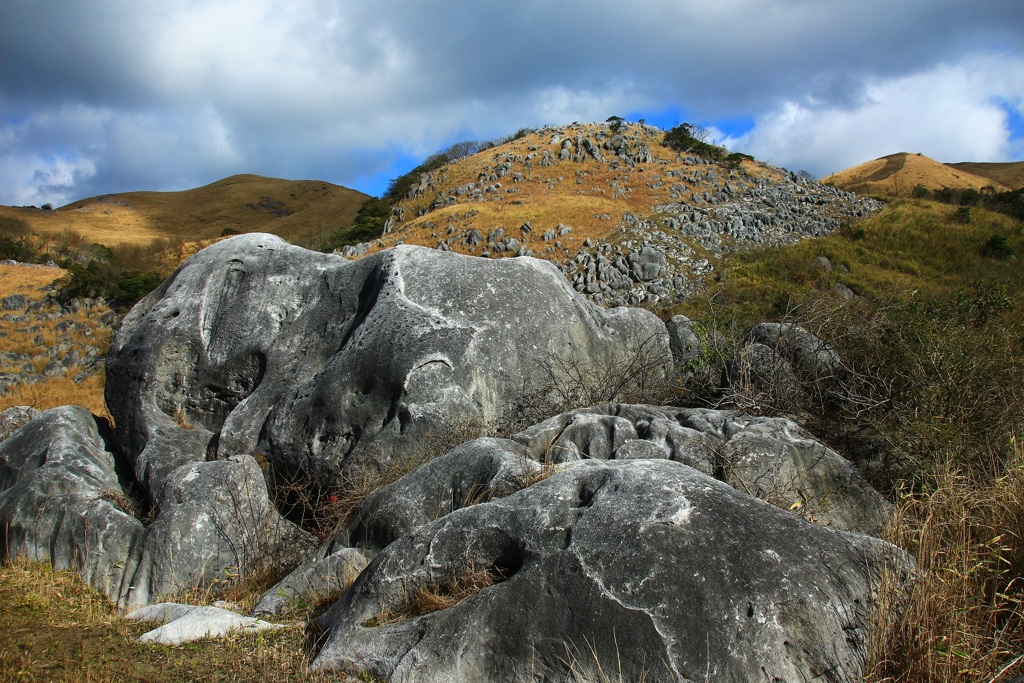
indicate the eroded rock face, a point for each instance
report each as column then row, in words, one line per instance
column 768, row 458
column 322, row 364
column 649, row 566
column 62, row 500
column 59, row 485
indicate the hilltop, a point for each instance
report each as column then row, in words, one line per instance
column 897, row 174
column 300, row 211
column 627, row 219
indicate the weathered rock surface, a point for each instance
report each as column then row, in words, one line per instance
column 14, row 417
column 653, row 568
column 326, row 573
column 769, row 458
column 59, row 485
column 62, row 500
column 322, row 364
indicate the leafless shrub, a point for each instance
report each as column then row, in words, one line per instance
column 640, row 375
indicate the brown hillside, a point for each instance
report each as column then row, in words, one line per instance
column 897, row 174
column 1009, row 174
column 589, row 195
column 300, row 211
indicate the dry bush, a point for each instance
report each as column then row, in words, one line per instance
column 324, row 505
column 964, row 619
column 433, row 596
column 638, row 376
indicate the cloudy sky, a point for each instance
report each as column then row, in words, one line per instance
column 100, row 96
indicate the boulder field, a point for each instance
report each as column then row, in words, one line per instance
column 663, row 543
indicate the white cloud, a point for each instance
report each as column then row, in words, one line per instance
column 949, row 113
column 160, row 95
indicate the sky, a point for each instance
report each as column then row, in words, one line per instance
column 104, row 96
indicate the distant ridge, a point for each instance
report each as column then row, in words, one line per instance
column 897, row 174
column 1010, row 174
column 300, row 211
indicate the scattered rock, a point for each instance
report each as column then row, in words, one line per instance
column 188, row 623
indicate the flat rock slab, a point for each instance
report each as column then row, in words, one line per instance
column 186, row 623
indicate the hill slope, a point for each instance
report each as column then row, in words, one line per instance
column 897, row 174
column 301, row 211
column 1009, row 174
column 627, row 219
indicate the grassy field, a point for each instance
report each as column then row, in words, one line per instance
column 55, row 628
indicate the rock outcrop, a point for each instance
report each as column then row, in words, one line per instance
column 666, row 543
column 321, row 364
column 646, row 567
column 63, row 499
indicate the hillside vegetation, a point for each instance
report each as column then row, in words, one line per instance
column 301, row 211
column 930, row 322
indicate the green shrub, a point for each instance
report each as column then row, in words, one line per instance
column 920, row 192
column 687, row 137
column 962, row 215
column 120, row 287
column 367, row 225
column 997, row 248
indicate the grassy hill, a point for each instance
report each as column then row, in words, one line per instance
column 897, row 174
column 300, row 211
column 588, row 194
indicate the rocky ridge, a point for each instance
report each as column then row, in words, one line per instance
column 665, row 217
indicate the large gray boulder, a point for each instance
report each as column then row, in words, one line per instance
column 768, row 458
column 322, row 364
column 61, row 500
column 645, row 568
column 64, row 499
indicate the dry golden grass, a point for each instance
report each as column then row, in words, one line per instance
column 1010, row 174
column 434, row 596
column 964, row 619
column 237, row 203
column 55, row 628
column 60, row 391
column 897, row 174
column 548, row 196
column 23, row 338
column 29, row 280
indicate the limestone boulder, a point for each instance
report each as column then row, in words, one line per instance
column 320, row 364
column 65, row 498
column 646, row 568
column 769, row 458
column 61, row 500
